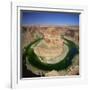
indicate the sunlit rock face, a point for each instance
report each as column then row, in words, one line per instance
column 52, row 45
column 52, row 73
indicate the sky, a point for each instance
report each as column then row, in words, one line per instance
column 48, row 18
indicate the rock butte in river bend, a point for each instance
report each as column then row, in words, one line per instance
column 54, row 44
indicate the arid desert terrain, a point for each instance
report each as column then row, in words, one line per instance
column 53, row 45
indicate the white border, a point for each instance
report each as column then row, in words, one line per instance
column 39, row 82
